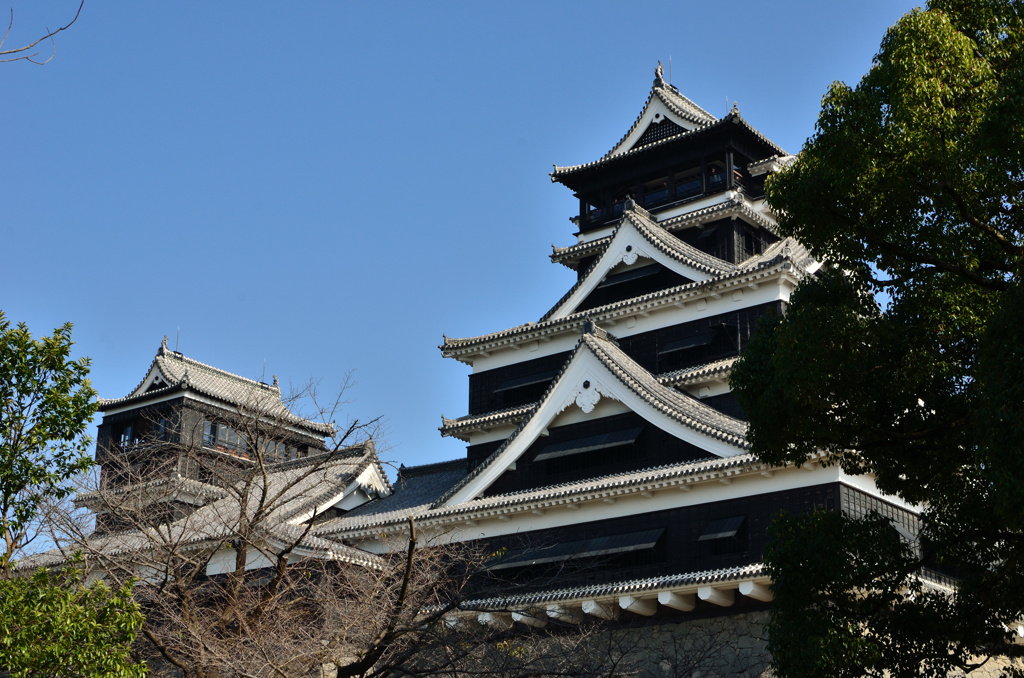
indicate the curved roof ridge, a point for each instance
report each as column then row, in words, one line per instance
column 661, row 239
column 683, row 252
column 522, row 424
column 508, row 415
column 673, row 100
column 182, row 372
column 452, row 343
column 733, row 117
column 678, row 406
column 691, row 375
column 450, row 427
column 682, row 407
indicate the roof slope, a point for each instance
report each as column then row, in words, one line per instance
column 563, row 173
column 275, row 505
column 661, row 246
column 680, row 110
column 171, row 371
column 687, row 376
column 786, row 256
column 690, row 418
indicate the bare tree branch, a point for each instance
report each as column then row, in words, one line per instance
column 21, row 53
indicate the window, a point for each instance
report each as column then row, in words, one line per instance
column 162, row 429
column 274, row 450
column 223, row 438
column 590, row 444
column 726, row 536
column 584, row 548
column 630, row 274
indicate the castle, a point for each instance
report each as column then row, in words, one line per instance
column 602, row 438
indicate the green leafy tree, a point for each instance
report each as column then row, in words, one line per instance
column 911, row 191
column 46, row 403
column 51, row 624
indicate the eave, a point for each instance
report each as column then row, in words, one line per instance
column 462, row 427
column 574, row 176
column 780, row 267
column 736, row 206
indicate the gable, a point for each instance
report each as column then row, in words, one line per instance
column 636, row 243
column 598, row 370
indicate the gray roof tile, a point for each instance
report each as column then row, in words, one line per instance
column 179, row 372
column 733, row 117
column 729, row 575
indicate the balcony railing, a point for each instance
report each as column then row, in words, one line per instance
column 692, row 188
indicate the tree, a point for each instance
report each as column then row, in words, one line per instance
column 51, row 623
column 911, row 191
column 47, row 403
column 250, row 581
column 24, row 52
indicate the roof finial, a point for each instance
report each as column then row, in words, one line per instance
column 276, row 384
column 735, row 108
column 659, row 75
column 590, row 327
column 163, row 346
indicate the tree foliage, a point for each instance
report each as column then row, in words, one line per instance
column 910, row 191
column 53, row 625
column 46, row 403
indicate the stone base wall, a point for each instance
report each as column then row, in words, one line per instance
column 728, row 646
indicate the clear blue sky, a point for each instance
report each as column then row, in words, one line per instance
column 325, row 187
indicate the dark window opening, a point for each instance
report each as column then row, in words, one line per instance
column 631, row 274
column 601, row 441
column 709, row 344
column 656, row 192
column 726, row 536
column 163, row 429
column 688, row 184
column 223, row 438
column 612, row 545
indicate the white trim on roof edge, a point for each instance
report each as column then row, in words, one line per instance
column 583, row 384
column 627, row 247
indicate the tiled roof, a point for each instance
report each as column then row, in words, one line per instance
column 733, row 206
column 180, row 372
column 662, row 240
column 777, row 258
column 772, row 163
column 415, row 490
column 681, row 407
column 699, row 374
column 729, row 575
column 733, row 117
column 373, row 520
column 288, row 491
column 170, row 485
column 461, row 427
column 673, row 101
column 473, row 422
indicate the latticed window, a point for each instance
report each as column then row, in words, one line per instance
column 658, row 131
